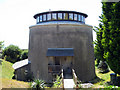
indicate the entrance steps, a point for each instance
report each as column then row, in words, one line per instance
column 68, row 81
column 69, row 84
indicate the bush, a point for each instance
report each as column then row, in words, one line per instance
column 24, row 54
column 12, row 53
column 37, row 84
column 57, row 83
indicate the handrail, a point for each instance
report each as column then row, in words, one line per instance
column 74, row 77
column 62, row 77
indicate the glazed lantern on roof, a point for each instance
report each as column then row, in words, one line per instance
column 60, row 16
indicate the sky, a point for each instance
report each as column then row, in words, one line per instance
column 16, row 16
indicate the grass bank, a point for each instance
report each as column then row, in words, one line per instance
column 103, row 79
column 9, row 83
column 7, row 70
column 6, row 74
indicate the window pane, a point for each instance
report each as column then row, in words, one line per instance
column 79, row 17
column 40, row 18
column 70, row 16
column 59, row 16
column 75, row 16
column 65, row 16
column 48, row 16
column 44, row 17
column 82, row 18
column 54, row 16
column 37, row 19
column 57, row 61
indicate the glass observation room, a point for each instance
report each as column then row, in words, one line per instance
column 60, row 16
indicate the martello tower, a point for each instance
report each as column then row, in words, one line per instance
column 61, row 40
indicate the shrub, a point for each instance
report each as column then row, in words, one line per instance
column 57, row 83
column 24, row 54
column 37, row 84
column 11, row 53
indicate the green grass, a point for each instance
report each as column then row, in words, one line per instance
column 104, row 78
column 6, row 74
column 7, row 70
column 10, row 83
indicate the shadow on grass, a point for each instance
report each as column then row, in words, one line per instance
column 96, row 80
column 104, row 72
column 116, row 82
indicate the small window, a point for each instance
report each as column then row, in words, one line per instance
column 49, row 16
column 75, row 17
column 59, row 16
column 57, row 61
column 37, row 19
column 40, row 18
column 79, row 17
column 54, row 16
column 65, row 16
column 49, row 69
column 70, row 16
column 82, row 18
column 44, row 17
column 26, row 72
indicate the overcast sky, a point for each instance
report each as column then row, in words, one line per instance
column 17, row 15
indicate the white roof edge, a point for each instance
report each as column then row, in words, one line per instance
column 21, row 63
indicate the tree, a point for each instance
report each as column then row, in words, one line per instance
column 110, row 36
column 1, row 45
column 24, row 54
column 99, row 51
column 12, row 53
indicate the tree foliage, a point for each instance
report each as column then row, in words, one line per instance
column 111, row 32
column 110, row 41
column 99, row 51
column 1, row 45
column 12, row 53
column 24, row 54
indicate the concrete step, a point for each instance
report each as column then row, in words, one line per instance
column 69, row 84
